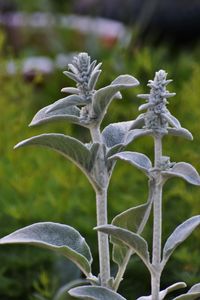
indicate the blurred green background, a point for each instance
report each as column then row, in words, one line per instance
column 39, row 185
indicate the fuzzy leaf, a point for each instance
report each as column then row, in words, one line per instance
column 60, row 238
column 70, row 90
column 66, row 102
column 130, row 239
column 138, row 123
column 71, row 114
column 192, row 294
column 133, row 219
column 104, row 96
column 180, row 132
column 172, row 120
column 95, row 293
column 73, row 76
column 135, row 133
column 114, row 134
column 162, row 294
column 139, row 160
column 185, row 171
column 69, row 147
column 179, row 235
column 93, row 79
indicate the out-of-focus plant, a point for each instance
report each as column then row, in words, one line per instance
column 87, row 107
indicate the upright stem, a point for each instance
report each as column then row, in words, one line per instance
column 101, row 209
column 157, row 220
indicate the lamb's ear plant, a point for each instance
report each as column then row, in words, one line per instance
column 86, row 106
column 157, row 122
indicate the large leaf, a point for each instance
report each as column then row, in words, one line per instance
column 134, row 219
column 130, row 239
column 95, row 293
column 192, row 294
column 104, row 96
column 185, row 171
column 69, row 147
column 114, row 134
column 179, row 235
column 139, row 160
column 66, row 102
column 43, row 116
column 162, row 294
column 60, row 238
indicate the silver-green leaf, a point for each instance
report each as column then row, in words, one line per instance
column 69, row 147
column 133, row 219
column 192, row 294
column 179, row 235
column 130, row 239
column 95, row 293
column 71, row 114
column 114, row 134
column 185, row 171
column 180, row 132
column 162, row 294
column 60, row 238
column 104, row 96
column 139, row 160
column 136, row 133
column 66, row 102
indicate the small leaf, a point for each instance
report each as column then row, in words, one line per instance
column 179, row 235
column 135, row 133
column 73, row 76
column 136, row 159
column 185, row 171
column 95, row 293
column 130, row 239
column 114, row 134
column 192, row 294
column 71, row 114
column 172, row 120
column 162, row 294
column 180, row 132
column 104, row 96
column 93, row 79
column 138, row 123
column 70, row 90
column 66, row 102
column 60, row 238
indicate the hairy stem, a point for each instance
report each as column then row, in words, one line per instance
column 101, row 209
column 121, row 270
column 157, row 221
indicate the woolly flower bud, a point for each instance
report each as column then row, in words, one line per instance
column 156, row 102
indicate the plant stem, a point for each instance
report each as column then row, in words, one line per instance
column 157, row 221
column 101, row 208
column 121, row 270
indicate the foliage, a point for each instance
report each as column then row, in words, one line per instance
column 40, row 164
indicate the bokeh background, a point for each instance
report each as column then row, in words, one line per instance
column 37, row 40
